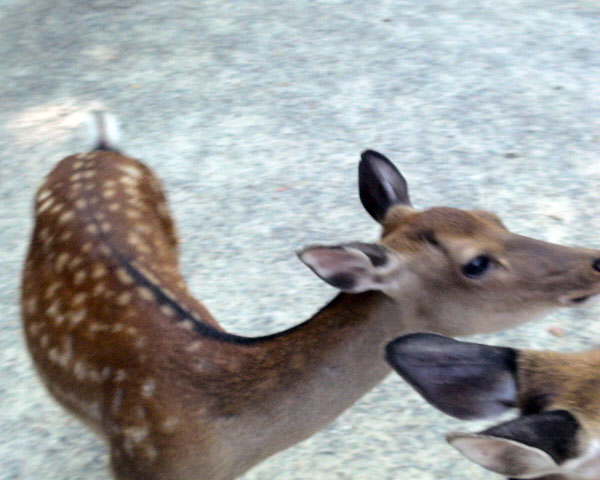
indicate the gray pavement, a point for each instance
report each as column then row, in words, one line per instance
column 254, row 113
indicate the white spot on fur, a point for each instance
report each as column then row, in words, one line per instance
column 34, row 329
column 99, row 289
column 77, row 316
column 66, row 216
column 145, row 293
column 61, row 261
column 78, row 299
column 79, row 277
column 53, row 354
column 170, row 424
column 66, row 235
column 51, row 290
column 53, row 311
column 45, row 205
column 148, row 388
column 124, row 277
column 134, row 240
column 57, row 208
column 98, row 327
column 30, row 305
column 128, row 182
column 44, row 194
column 194, row 346
column 130, row 170
column 80, row 370
column 186, row 324
column 132, row 214
column 123, row 298
column 151, row 453
column 137, row 433
column 98, row 271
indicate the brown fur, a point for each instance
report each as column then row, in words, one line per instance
column 553, row 380
column 120, row 342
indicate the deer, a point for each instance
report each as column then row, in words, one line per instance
column 119, row 341
column 557, row 433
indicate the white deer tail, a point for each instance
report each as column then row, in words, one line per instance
column 104, row 131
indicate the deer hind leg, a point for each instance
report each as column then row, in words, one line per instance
column 130, row 462
column 161, row 458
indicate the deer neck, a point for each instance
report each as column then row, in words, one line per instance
column 310, row 374
column 341, row 344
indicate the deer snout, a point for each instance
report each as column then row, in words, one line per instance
column 592, row 291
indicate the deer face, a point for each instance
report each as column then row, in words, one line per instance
column 461, row 269
column 557, row 435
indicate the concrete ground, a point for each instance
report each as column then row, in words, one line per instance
column 254, row 114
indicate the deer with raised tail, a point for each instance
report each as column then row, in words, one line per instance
column 120, row 342
column 556, row 436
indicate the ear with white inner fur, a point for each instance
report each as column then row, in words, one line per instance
column 503, row 456
column 530, row 446
column 380, row 185
column 353, row 267
column 465, row 380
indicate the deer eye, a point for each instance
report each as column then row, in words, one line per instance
column 477, row 267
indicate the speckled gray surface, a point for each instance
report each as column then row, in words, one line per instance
column 254, row 113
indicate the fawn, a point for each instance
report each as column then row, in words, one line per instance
column 120, row 342
column 557, row 435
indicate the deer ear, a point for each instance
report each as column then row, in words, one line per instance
column 503, row 456
column 528, row 447
column 352, row 267
column 380, row 185
column 465, row 380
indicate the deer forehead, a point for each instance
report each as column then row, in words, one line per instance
column 406, row 229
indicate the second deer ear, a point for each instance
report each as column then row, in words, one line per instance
column 353, row 267
column 380, row 185
column 465, row 380
column 531, row 446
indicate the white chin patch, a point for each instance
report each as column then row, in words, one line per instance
column 594, row 299
column 578, row 301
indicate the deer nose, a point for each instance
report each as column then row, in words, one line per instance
column 596, row 264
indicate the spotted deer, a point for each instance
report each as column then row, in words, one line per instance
column 556, row 436
column 119, row 340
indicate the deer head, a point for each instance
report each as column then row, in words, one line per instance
column 557, row 434
column 454, row 271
